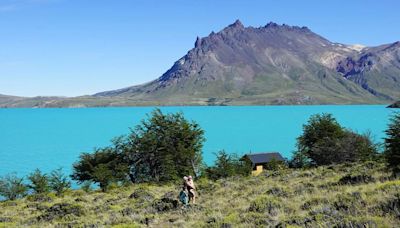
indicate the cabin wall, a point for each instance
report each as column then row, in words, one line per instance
column 257, row 171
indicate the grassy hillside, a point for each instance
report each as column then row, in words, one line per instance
column 361, row 195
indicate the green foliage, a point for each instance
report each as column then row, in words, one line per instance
column 39, row 182
column 104, row 166
column 274, row 165
column 294, row 198
column 12, row 187
column 86, row 186
column 59, row 182
column 392, row 144
column 228, row 165
column 325, row 142
column 164, row 147
column 161, row 148
column 266, row 204
column 299, row 160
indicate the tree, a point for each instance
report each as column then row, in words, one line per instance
column 392, row 144
column 164, row 147
column 228, row 165
column 12, row 187
column 161, row 148
column 39, row 182
column 59, row 182
column 319, row 128
column 104, row 166
column 325, row 142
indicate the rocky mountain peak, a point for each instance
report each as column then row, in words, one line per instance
column 240, row 62
column 237, row 24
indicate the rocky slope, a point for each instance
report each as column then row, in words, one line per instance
column 273, row 64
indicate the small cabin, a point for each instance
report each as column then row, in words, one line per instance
column 260, row 160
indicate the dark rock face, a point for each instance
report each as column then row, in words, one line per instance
column 349, row 66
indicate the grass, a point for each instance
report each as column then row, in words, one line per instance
column 292, row 198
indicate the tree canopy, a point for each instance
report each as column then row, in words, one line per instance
column 104, row 166
column 392, row 144
column 164, row 147
column 325, row 142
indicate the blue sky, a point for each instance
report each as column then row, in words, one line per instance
column 77, row 47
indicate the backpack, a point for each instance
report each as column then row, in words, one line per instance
column 183, row 197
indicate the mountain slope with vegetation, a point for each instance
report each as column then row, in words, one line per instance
column 273, row 64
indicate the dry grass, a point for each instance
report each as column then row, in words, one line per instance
column 285, row 198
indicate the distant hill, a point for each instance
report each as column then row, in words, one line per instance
column 38, row 102
column 273, row 64
column 395, row 105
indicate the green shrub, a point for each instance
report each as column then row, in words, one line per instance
column 266, row 204
column 86, row 186
column 12, row 187
column 228, row 165
column 104, row 166
column 39, row 182
column 59, row 182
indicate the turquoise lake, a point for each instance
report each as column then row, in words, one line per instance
column 52, row 138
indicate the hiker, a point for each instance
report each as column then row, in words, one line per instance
column 191, row 189
column 184, row 194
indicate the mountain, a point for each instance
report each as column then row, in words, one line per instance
column 273, row 64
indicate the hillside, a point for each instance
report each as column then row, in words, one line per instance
column 273, row 64
column 353, row 195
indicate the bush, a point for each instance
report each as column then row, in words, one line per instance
column 392, row 144
column 325, row 142
column 59, row 182
column 12, row 187
column 86, row 186
column 265, row 204
column 104, row 166
column 228, row 165
column 39, row 182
